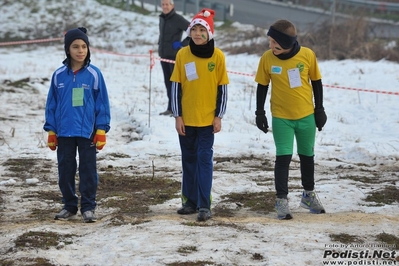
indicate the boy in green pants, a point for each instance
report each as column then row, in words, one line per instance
column 296, row 80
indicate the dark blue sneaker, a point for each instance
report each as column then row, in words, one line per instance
column 204, row 214
column 186, row 209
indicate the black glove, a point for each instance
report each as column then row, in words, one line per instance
column 261, row 120
column 320, row 118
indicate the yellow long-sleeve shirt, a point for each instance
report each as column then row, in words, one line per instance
column 199, row 79
column 291, row 89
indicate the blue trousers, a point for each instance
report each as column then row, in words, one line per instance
column 197, row 163
column 88, row 178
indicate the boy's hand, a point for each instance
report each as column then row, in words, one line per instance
column 320, row 117
column 100, row 139
column 52, row 141
column 180, row 128
column 261, row 120
column 177, row 45
column 217, row 125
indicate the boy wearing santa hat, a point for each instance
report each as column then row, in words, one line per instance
column 199, row 98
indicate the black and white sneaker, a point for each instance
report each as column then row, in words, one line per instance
column 64, row 215
column 89, row 216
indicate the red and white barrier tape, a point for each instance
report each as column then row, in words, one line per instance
column 152, row 58
column 165, row 60
column 240, row 73
column 365, row 90
column 119, row 54
column 30, row 41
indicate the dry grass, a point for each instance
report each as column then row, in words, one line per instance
column 352, row 39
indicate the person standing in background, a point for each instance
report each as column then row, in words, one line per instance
column 296, row 105
column 77, row 117
column 199, row 100
column 171, row 28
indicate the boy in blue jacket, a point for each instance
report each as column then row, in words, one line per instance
column 77, row 118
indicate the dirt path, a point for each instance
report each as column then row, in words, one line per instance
column 29, row 209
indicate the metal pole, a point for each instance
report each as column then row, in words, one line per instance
column 333, row 12
column 330, row 53
column 184, row 7
column 197, row 6
column 149, row 90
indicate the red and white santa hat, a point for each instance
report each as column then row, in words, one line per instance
column 204, row 18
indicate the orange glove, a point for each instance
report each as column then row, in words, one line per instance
column 52, row 141
column 99, row 139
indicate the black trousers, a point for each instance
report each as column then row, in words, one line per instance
column 281, row 170
column 167, row 69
